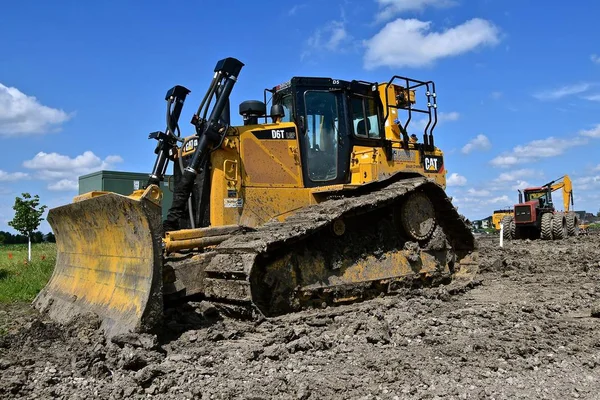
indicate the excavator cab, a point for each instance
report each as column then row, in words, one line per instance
column 543, row 195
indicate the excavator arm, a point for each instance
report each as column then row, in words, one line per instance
column 567, row 188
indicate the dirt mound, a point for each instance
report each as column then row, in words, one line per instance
column 524, row 332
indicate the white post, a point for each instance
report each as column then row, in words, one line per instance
column 29, row 252
column 501, row 234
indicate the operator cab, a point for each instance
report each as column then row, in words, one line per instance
column 543, row 195
column 332, row 116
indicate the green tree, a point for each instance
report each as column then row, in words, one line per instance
column 50, row 238
column 28, row 215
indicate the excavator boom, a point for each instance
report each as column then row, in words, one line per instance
column 567, row 188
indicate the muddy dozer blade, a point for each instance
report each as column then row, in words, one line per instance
column 108, row 262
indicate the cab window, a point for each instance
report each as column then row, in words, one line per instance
column 322, row 133
column 365, row 117
column 286, row 102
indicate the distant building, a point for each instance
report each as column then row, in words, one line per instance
column 587, row 217
column 483, row 223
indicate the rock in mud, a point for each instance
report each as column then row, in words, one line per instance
column 143, row 340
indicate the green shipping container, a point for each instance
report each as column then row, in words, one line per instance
column 125, row 183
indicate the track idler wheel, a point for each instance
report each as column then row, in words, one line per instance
column 417, row 216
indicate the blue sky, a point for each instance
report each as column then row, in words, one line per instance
column 83, row 83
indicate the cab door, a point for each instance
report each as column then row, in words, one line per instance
column 324, row 140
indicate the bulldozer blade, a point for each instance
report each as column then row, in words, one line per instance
column 109, row 262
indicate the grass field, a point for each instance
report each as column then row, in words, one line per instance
column 20, row 280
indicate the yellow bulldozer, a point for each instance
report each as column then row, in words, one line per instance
column 324, row 200
column 498, row 216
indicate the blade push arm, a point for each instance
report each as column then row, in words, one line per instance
column 210, row 132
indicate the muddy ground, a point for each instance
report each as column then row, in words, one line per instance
column 524, row 331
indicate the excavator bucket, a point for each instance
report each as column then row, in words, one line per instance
column 108, row 261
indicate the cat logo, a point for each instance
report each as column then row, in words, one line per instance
column 190, row 145
column 433, row 163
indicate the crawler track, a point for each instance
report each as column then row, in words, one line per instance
column 299, row 263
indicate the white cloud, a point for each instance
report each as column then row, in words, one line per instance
column 64, row 170
column 478, row 192
column 23, row 114
column 504, row 161
column 586, row 182
column 595, row 58
column 499, row 199
column 292, row 11
column 558, row 93
column 421, row 123
column 391, row 8
column 411, row 43
column 448, row 116
column 549, row 147
column 331, row 38
column 496, row 95
column 593, row 132
column 110, row 160
column 480, row 142
column 456, row 180
column 55, row 161
column 586, row 179
column 64, row 185
column 12, row 176
column 512, row 176
column 592, row 97
column 520, row 185
column 537, row 149
column 480, row 205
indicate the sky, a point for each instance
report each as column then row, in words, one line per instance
column 518, row 85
